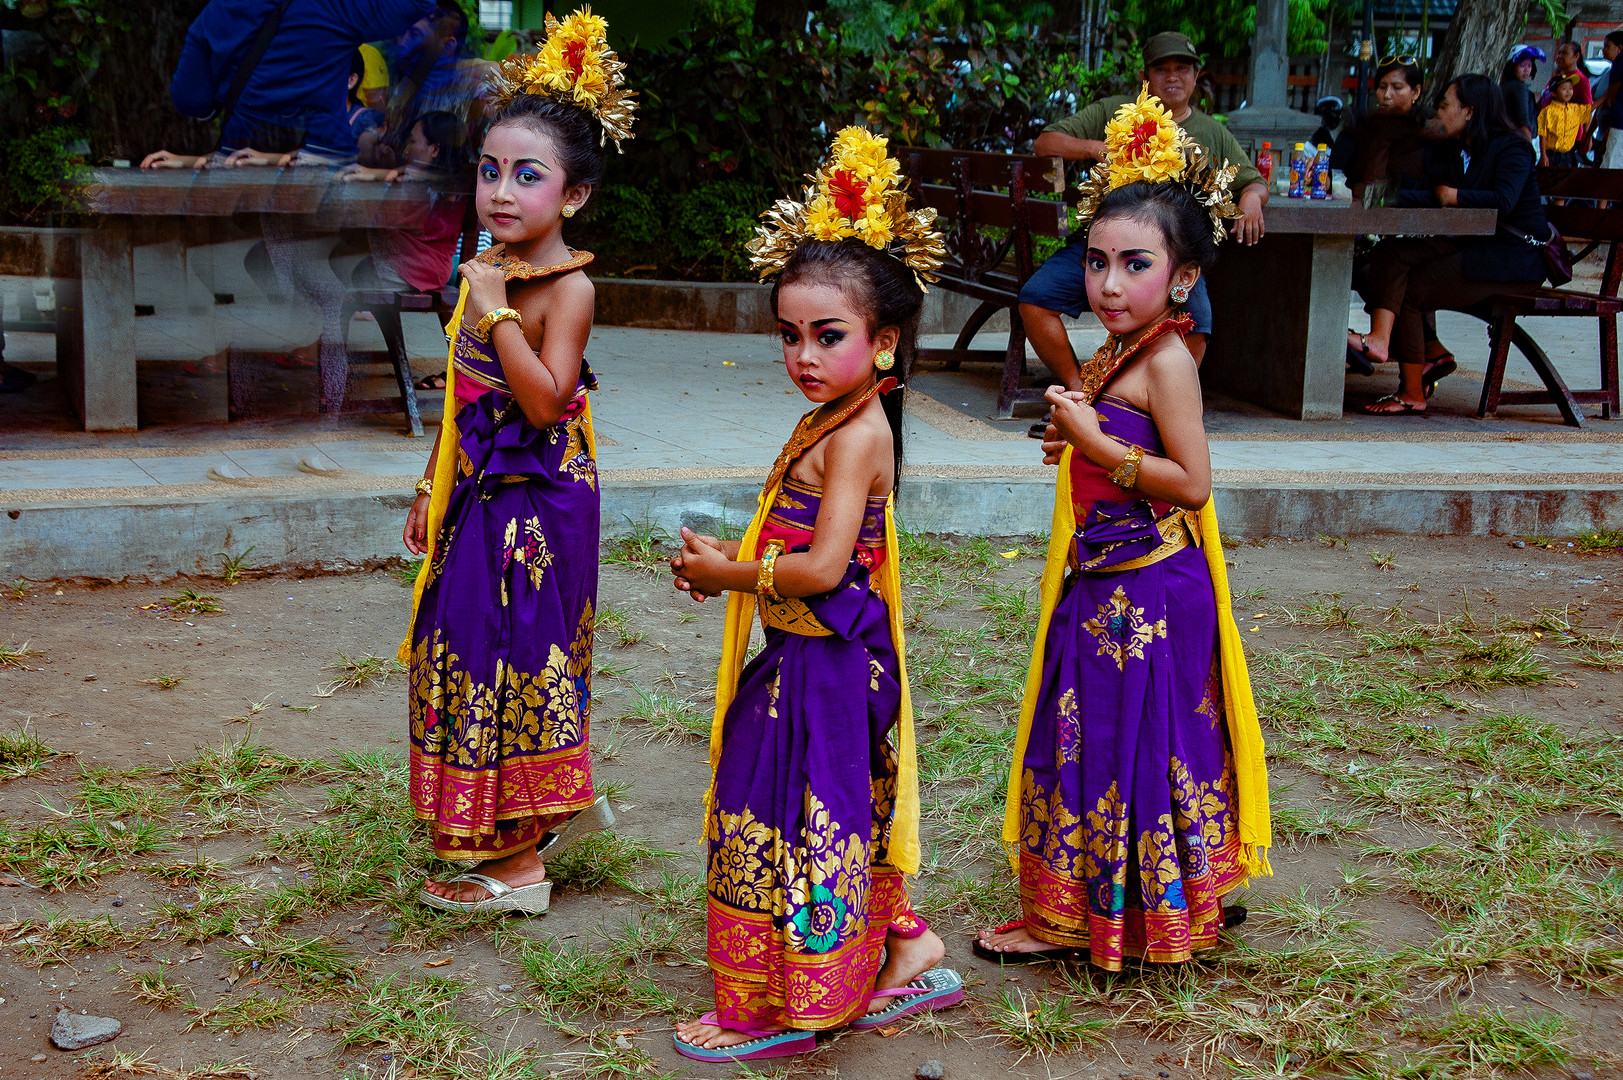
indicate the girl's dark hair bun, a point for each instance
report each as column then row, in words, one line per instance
column 1171, row 206
column 576, row 132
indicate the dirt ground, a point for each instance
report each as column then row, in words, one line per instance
column 170, row 820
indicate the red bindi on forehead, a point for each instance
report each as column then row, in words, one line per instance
column 504, row 161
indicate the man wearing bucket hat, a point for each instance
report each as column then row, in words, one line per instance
column 1171, row 67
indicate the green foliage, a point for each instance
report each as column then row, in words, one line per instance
column 37, row 165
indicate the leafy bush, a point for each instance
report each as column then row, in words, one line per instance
column 698, row 233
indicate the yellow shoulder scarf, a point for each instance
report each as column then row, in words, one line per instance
column 741, row 607
column 445, row 467
column 1245, row 733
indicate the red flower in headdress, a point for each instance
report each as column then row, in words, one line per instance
column 574, row 56
column 847, row 192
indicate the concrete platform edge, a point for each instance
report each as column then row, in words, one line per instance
column 158, row 538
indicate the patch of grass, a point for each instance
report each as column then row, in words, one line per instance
column 1603, row 540
column 1044, row 1024
column 364, row 671
column 154, row 988
column 1487, row 1041
column 104, row 793
column 188, row 601
column 1293, row 825
column 668, row 716
column 571, row 980
column 63, row 934
column 78, row 851
column 313, row 962
column 13, row 655
column 610, row 1054
column 165, row 682
column 23, row 753
column 1382, row 561
column 1501, row 661
column 1300, row 912
column 415, row 1022
column 604, row 858
column 218, row 909
column 238, row 770
column 17, row 589
column 643, row 548
column 252, row 1010
column 234, row 567
column 406, row 571
column 616, row 620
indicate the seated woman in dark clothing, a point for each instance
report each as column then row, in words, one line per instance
column 1479, row 161
column 1379, row 146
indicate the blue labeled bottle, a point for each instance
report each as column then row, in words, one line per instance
column 1321, row 173
column 1298, row 186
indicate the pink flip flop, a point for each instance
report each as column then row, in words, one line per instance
column 763, row 1044
column 938, row 988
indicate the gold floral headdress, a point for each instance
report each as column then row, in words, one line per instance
column 856, row 193
column 576, row 66
column 1143, row 143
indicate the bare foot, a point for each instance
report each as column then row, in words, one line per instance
column 1016, row 940
column 711, row 1037
column 1377, row 350
column 517, row 870
column 906, row 959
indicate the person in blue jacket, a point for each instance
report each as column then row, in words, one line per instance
column 296, row 94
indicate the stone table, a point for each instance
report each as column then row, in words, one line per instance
column 1279, row 308
column 96, row 312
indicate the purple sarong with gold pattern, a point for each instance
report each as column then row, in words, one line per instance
column 1127, row 798
column 501, row 649
column 801, row 893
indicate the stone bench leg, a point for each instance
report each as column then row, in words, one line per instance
column 95, row 330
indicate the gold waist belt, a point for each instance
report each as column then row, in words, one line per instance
column 792, row 615
column 1178, row 530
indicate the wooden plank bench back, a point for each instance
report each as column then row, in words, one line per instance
column 973, row 191
column 1592, row 226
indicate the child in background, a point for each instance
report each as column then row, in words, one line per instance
column 1561, row 124
column 812, row 813
column 1138, row 793
column 507, row 515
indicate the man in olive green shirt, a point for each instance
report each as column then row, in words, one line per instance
column 1171, row 67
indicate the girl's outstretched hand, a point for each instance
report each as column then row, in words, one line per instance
column 416, row 534
column 487, row 289
column 697, row 562
column 1074, row 421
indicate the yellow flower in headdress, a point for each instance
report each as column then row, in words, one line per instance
column 824, row 221
column 857, row 192
column 1143, row 143
column 575, row 65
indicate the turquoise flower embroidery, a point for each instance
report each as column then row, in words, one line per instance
column 819, row 922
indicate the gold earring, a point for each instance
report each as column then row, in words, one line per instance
column 568, row 211
column 884, row 359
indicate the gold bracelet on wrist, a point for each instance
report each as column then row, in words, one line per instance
column 425, row 486
column 1125, row 475
column 764, row 585
column 488, row 323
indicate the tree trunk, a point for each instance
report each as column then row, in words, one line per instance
column 132, row 113
column 1478, row 40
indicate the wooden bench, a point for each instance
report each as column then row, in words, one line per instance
column 387, row 306
column 972, row 191
column 1577, row 223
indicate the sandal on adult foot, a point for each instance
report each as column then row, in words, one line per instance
column 1056, row 955
column 595, row 818
column 432, row 382
column 763, row 1044
column 938, row 988
column 529, row 899
column 1402, row 407
column 1436, row 370
column 1358, row 359
column 1039, row 430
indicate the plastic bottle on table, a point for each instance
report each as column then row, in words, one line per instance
column 1298, row 188
column 1265, row 164
column 1320, row 186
